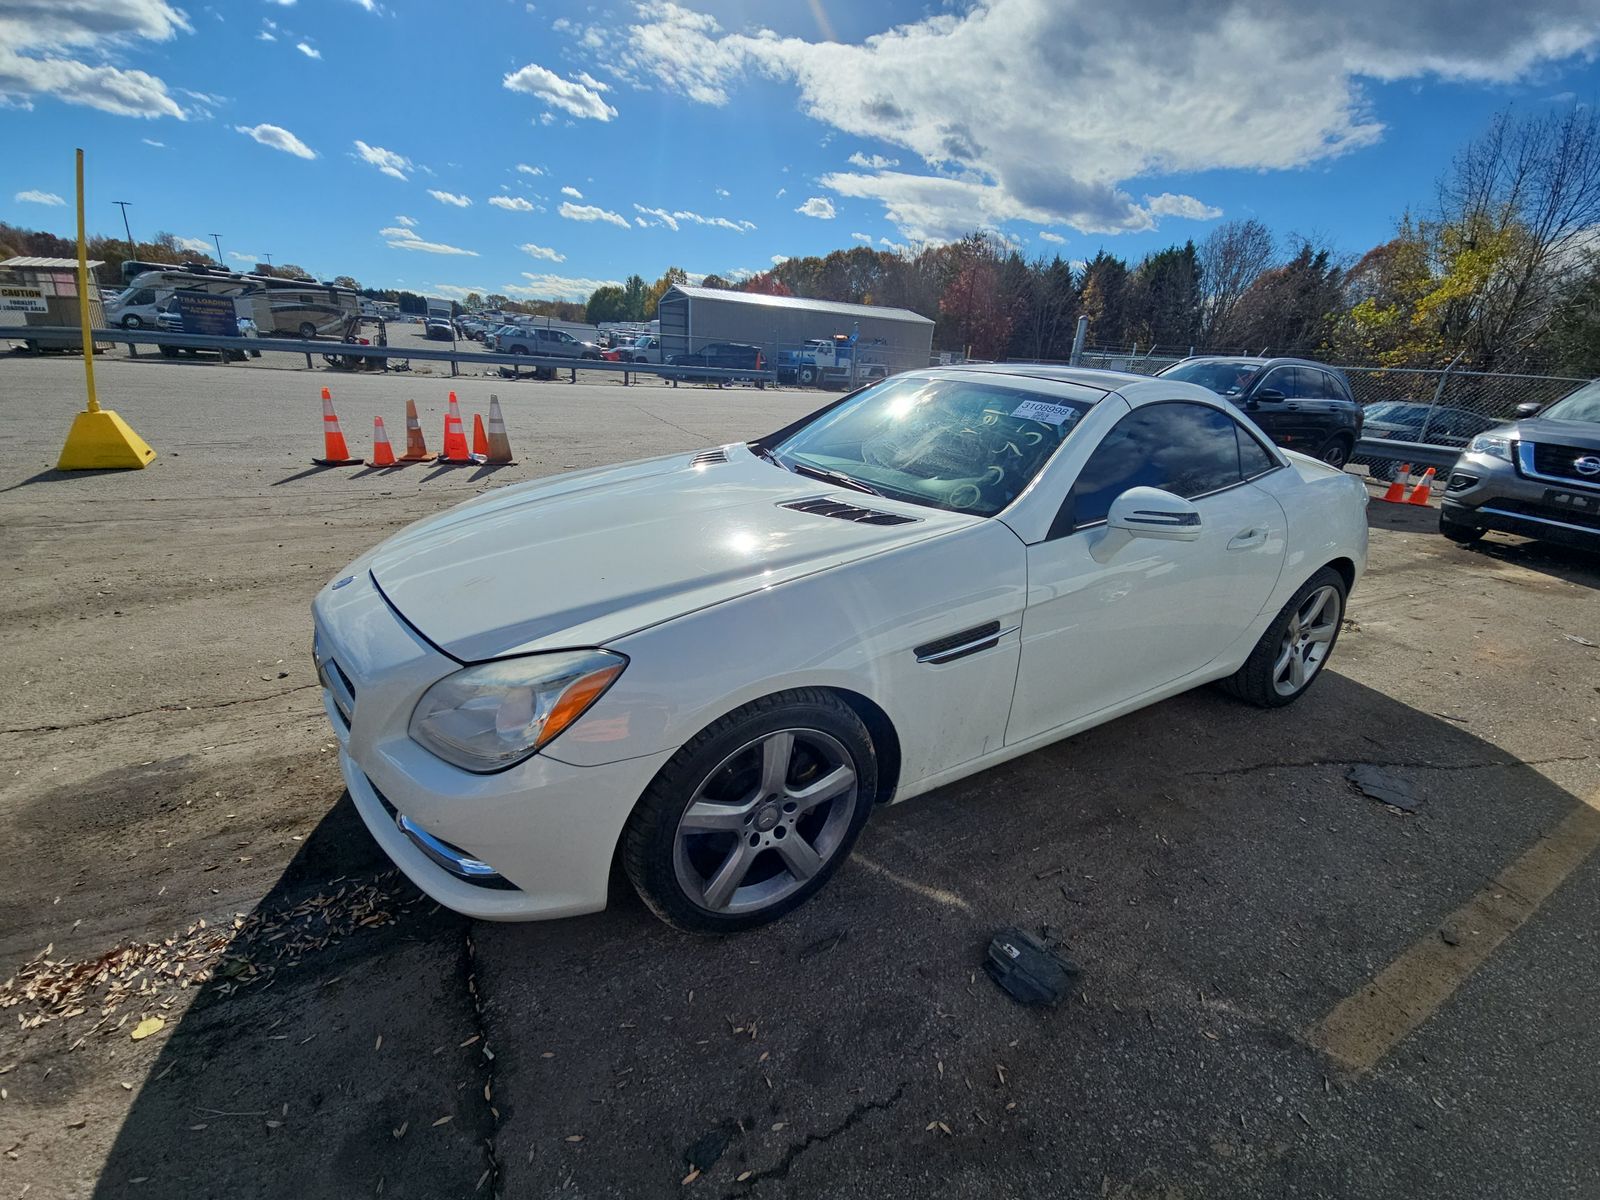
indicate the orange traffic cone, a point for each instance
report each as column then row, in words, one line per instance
column 382, row 451
column 1397, row 489
column 455, row 436
column 416, row 448
column 499, row 451
column 334, row 452
column 1423, row 490
column 480, row 440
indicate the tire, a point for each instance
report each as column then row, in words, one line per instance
column 1461, row 535
column 1336, row 450
column 133, row 321
column 307, row 331
column 711, row 880
column 808, row 376
column 1266, row 680
column 168, row 351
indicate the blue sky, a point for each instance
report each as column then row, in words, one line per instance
column 591, row 141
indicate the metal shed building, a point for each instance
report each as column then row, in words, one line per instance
column 44, row 292
column 692, row 316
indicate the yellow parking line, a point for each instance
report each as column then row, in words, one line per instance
column 1367, row 1025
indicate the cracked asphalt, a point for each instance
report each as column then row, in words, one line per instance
column 1224, row 887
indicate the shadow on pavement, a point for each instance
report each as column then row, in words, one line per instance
column 336, row 1067
column 1223, row 888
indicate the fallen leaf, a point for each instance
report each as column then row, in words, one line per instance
column 574, row 1137
column 401, row 1132
column 378, row 1045
column 445, row 1120
column 777, row 1125
column 690, row 1177
column 146, row 1027
column 742, row 1176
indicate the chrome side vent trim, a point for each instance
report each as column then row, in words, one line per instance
column 708, row 458
column 824, row 506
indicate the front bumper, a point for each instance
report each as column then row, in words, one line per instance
column 534, row 841
column 1484, row 492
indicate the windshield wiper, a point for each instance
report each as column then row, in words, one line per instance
column 838, row 477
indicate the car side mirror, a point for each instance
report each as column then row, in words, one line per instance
column 1268, row 394
column 1147, row 512
column 1528, row 408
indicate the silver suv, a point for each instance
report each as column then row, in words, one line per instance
column 1539, row 477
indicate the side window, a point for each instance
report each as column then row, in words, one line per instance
column 1281, row 379
column 144, row 296
column 1187, row 449
column 1253, row 458
column 560, row 335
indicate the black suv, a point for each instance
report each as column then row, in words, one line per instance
column 728, row 356
column 1303, row 405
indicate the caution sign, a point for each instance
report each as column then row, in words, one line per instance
column 19, row 298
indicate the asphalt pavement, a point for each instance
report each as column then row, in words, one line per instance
column 1288, row 987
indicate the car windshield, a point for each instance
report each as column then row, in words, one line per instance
column 1224, row 377
column 956, row 444
column 1582, row 405
column 1399, row 411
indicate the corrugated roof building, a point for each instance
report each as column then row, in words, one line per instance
column 692, row 316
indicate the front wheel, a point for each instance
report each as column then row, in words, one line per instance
column 808, row 376
column 1295, row 647
column 307, row 331
column 132, row 321
column 754, row 814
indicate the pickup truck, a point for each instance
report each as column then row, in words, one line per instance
column 641, row 350
column 543, row 343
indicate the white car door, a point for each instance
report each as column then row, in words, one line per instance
column 1097, row 634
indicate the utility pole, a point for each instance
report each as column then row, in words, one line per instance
column 123, row 205
column 217, row 238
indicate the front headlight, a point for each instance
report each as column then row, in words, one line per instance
column 488, row 717
column 1492, row 444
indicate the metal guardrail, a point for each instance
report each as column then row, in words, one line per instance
column 1418, row 454
column 70, row 338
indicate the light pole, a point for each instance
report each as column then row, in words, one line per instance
column 126, row 228
column 217, row 238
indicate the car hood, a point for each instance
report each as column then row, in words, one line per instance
column 588, row 558
column 1585, row 434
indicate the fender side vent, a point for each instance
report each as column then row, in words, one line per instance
column 822, row 506
column 708, row 458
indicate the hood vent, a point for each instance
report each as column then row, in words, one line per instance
column 708, row 458
column 822, row 506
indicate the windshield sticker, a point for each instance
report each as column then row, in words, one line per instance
column 1049, row 414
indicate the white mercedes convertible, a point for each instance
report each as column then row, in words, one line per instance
column 714, row 666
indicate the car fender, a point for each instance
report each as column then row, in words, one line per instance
column 1326, row 513
column 854, row 628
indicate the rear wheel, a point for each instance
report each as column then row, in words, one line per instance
column 307, row 330
column 1461, row 535
column 1336, row 450
column 753, row 815
column 1295, row 647
column 808, row 376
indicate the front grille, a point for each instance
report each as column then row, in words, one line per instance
column 1547, row 512
column 823, row 507
column 1552, row 458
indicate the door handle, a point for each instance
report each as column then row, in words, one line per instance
column 1248, row 539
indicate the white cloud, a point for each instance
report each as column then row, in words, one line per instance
column 723, row 192
column 278, row 138
column 244, row 258
column 818, row 206
column 266, row 35
column 573, row 192
column 36, row 197
column 194, row 245
column 781, row 191
column 450, row 198
column 408, row 222
column 153, row 142
column 779, row 259
column 307, row 50
column 542, row 252
column 876, row 163
column 862, row 237
column 673, row 220
column 591, row 212
column 372, row 6
column 1169, row 205
column 403, row 237
column 556, row 287
column 960, row 90
column 1046, row 236
column 387, row 161
column 580, row 99
column 527, row 170
column 38, row 36
column 511, row 203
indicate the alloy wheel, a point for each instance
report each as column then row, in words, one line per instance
column 765, row 821
column 1306, row 641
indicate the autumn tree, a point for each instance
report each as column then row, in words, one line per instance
column 1234, row 255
